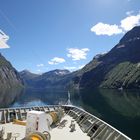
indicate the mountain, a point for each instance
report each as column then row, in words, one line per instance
column 52, row 79
column 27, row 77
column 9, row 77
column 11, row 84
column 119, row 68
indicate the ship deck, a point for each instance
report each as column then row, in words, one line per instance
column 57, row 133
column 64, row 133
column 18, row 131
column 87, row 126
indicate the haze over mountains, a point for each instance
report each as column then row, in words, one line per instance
column 119, row 68
column 52, row 79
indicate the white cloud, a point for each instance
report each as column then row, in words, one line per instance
column 129, row 13
column 40, row 65
column 3, row 40
column 126, row 24
column 38, row 70
column 106, row 29
column 129, row 22
column 77, row 54
column 56, row 60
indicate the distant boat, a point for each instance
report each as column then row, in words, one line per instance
column 121, row 88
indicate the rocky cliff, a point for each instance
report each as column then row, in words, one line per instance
column 9, row 77
column 10, row 83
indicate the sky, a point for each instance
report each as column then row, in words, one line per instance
column 43, row 35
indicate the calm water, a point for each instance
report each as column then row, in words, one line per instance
column 121, row 109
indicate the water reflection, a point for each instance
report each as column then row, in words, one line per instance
column 118, row 108
column 126, row 103
column 7, row 96
column 34, row 97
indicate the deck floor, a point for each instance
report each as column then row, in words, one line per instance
column 17, row 130
column 65, row 134
column 57, row 133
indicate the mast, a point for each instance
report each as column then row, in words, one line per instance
column 68, row 101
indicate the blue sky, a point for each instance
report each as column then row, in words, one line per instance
column 59, row 34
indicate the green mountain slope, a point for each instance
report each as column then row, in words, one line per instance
column 119, row 68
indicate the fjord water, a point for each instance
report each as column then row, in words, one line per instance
column 121, row 109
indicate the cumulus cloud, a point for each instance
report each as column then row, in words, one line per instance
column 106, row 29
column 126, row 24
column 129, row 22
column 77, row 54
column 56, row 60
column 3, row 40
column 38, row 70
column 129, row 13
column 40, row 65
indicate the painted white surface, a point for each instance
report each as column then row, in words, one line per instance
column 17, row 130
column 36, row 121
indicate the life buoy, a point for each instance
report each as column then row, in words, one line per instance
column 38, row 136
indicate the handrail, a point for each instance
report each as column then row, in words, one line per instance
column 70, row 106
